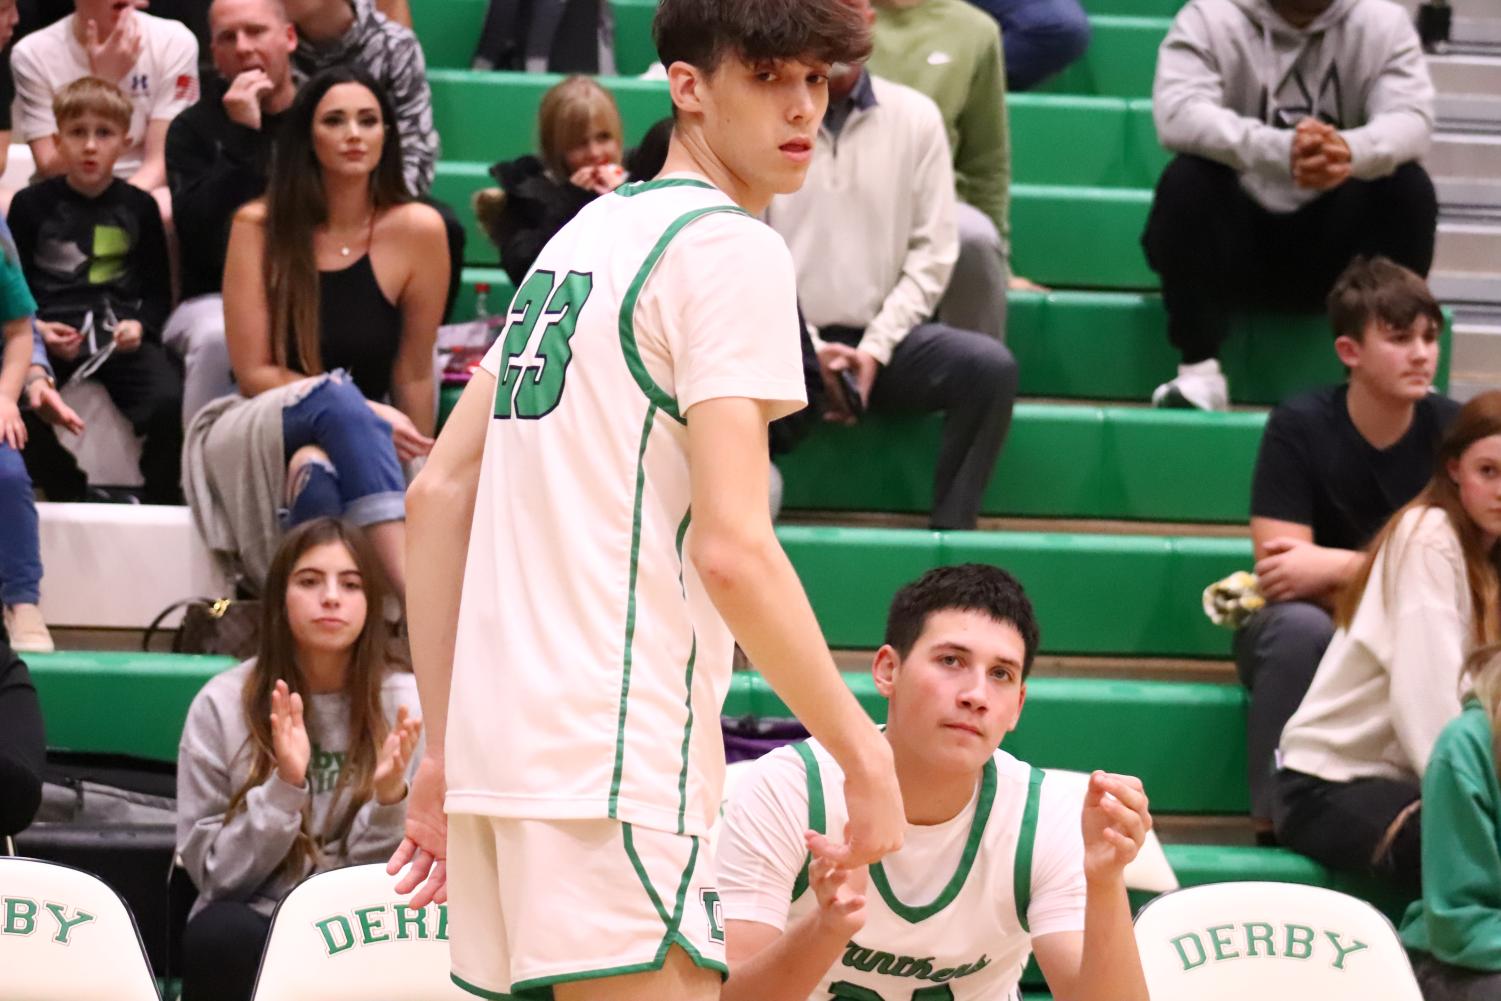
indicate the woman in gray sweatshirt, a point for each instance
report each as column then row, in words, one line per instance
column 296, row 761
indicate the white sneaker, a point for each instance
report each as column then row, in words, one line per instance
column 1200, row 386
column 28, row 633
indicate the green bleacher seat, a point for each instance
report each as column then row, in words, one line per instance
column 1120, row 61
column 1134, row 8
column 1060, row 461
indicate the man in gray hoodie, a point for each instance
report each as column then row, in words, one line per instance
column 1298, row 125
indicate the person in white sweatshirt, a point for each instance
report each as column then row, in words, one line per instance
column 295, row 761
column 1427, row 595
column 1298, row 126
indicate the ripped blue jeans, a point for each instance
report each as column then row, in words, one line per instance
column 362, row 480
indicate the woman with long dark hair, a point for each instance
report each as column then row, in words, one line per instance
column 336, row 274
column 296, row 761
column 1427, row 595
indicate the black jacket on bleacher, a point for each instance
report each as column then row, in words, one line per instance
column 23, row 743
column 214, row 166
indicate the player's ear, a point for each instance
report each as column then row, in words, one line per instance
column 1348, row 350
column 883, row 670
column 685, row 82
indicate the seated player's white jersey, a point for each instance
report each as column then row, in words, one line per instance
column 950, row 915
column 589, row 665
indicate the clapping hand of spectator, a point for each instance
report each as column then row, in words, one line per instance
column 1320, row 157
column 1294, row 569
column 289, row 737
column 395, row 755
column 410, row 443
column 128, row 334
column 62, row 341
column 600, row 178
column 12, row 428
column 111, row 58
column 242, row 101
column 47, row 403
column 834, row 358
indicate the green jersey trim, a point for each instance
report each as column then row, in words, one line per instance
column 1021, row 875
column 659, row 397
column 630, row 613
column 913, row 915
column 640, row 187
column 816, row 819
column 687, row 682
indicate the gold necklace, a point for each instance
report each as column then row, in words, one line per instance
column 364, row 226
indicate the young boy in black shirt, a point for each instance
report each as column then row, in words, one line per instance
column 1334, row 464
column 95, row 256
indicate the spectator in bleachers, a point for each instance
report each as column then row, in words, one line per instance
column 547, row 36
column 951, row 52
column 333, row 33
column 337, row 274
column 1425, row 596
column 23, row 744
column 1334, row 464
column 582, row 147
column 1453, row 934
column 218, row 157
column 154, row 60
column 872, row 234
column 1040, row 37
column 95, row 256
column 296, row 761
column 1298, row 126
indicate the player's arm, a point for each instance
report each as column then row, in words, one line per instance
column 1102, row 962
column 752, row 584
column 788, row 965
column 440, row 509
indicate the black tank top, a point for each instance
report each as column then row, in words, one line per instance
column 359, row 328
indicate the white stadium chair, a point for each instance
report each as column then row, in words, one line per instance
column 1259, row 941
column 345, row 936
column 66, row 936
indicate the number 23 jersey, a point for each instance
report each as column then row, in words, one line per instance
column 589, row 665
column 950, row 916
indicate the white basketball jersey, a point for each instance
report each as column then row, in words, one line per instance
column 971, row 941
column 589, row 665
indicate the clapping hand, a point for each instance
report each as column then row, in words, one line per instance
column 395, row 755
column 289, row 737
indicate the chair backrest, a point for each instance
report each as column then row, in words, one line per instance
column 1255, row 941
column 66, row 936
column 345, row 936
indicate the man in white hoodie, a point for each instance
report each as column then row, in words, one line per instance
column 1298, row 125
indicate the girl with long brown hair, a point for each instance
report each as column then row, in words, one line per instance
column 1427, row 594
column 336, row 275
column 297, row 760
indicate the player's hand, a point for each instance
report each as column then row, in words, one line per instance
column 410, row 443
column 12, row 427
column 47, row 403
column 834, row 358
column 62, row 341
column 128, row 334
column 1115, row 822
column 114, row 56
column 1297, row 570
column 426, row 843
column 395, row 754
column 242, row 101
column 877, row 820
column 289, row 736
column 840, row 893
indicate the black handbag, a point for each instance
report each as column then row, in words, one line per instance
column 224, row 626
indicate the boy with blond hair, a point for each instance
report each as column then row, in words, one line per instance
column 95, row 257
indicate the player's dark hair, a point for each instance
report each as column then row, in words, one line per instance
column 967, row 587
column 1379, row 289
column 702, row 32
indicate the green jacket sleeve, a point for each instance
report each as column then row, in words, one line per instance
column 982, row 156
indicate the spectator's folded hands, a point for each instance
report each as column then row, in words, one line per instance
column 47, row 403
column 1294, row 569
column 128, row 335
column 834, row 358
column 62, row 340
column 1320, row 157
column 12, row 428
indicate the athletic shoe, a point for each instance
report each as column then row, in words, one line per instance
column 1200, row 386
column 28, row 633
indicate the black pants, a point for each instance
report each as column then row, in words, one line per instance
column 146, row 385
column 1439, row 981
column 1277, row 653
column 971, row 379
column 1216, row 249
column 23, row 745
column 221, row 952
column 1348, row 825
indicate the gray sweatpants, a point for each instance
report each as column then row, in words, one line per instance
column 976, row 296
column 195, row 333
